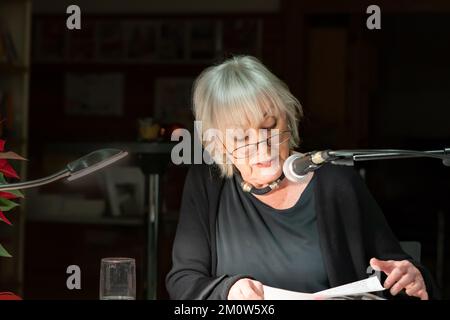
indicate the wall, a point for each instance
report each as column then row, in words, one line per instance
column 169, row 6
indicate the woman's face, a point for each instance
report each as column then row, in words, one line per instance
column 263, row 164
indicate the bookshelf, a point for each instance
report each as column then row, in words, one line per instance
column 15, row 29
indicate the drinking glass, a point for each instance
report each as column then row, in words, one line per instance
column 118, row 279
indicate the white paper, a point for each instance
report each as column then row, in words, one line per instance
column 371, row 284
column 271, row 293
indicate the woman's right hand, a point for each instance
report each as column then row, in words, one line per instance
column 246, row 289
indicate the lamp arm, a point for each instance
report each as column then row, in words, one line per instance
column 35, row 183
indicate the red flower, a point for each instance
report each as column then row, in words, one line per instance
column 4, row 219
column 9, row 296
column 7, row 195
column 7, row 169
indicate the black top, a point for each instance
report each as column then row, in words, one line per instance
column 351, row 228
column 279, row 248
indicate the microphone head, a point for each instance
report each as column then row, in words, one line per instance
column 288, row 167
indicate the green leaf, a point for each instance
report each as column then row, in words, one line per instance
column 6, row 205
column 17, row 193
column 3, row 181
column 11, row 194
column 4, row 253
column 11, row 155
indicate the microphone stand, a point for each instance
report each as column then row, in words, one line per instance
column 295, row 170
column 348, row 157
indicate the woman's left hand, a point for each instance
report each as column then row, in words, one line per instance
column 402, row 275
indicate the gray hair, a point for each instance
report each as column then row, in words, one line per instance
column 240, row 92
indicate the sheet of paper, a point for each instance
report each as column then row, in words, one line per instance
column 371, row 284
column 271, row 293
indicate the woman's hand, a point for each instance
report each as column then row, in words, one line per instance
column 246, row 289
column 402, row 275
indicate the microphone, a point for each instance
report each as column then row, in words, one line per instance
column 298, row 165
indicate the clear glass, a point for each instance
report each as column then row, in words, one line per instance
column 118, row 279
column 250, row 149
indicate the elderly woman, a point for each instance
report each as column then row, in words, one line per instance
column 243, row 225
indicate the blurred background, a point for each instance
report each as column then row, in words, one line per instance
column 124, row 80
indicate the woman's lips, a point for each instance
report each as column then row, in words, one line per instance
column 264, row 164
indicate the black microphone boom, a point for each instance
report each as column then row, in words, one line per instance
column 298, row 165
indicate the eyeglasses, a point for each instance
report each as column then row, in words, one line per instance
column 248, row 150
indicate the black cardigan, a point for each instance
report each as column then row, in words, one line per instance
column 352, row 229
